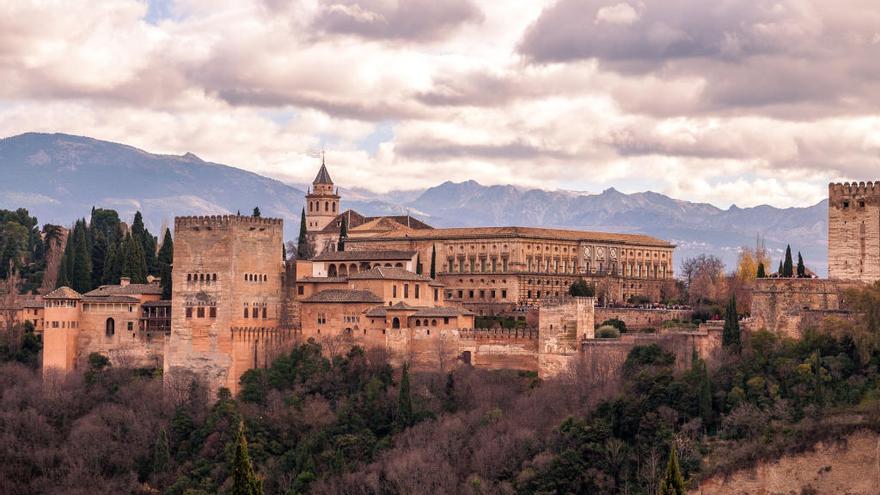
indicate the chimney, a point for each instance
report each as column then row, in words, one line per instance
column 124, row 281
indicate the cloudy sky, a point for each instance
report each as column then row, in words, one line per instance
column 727, row 101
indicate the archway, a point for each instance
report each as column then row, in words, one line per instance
column 110, row 327
column 343, row 270
column 331, row 271
column 395, row 323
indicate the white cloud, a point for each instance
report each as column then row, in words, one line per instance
column 621, row 13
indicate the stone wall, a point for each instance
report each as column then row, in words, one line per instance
column 638, row 318
column 854, row 231
column 561, row 328
column 780, row 304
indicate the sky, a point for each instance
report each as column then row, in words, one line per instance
column 727, row 101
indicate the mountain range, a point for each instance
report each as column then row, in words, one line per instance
column 59, row 177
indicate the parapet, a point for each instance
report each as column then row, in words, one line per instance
column 499, row 333
column 853, row 189
column 224, row 221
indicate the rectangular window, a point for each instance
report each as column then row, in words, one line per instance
column 265, row 312
column 528, row 294
column 470, row 294
column 461, row 294
column 130, row 326
column 189, row 312
column 417, row 291
column 436, row 294
column 405, row 290
column 393, row 291
column 482, row 294
column 200, row 312
column 245, row 311
column 492, row 294
column 212, row 312
column 255, row 313
column 300, row 290
column 503, row 293
column 446, row 321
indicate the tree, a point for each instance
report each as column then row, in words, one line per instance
column 404, row 401
column 165, row 281
column 788, row 265
column 761, row 273
column 673, row 482
column 244, row 479
column 81, row 270
column 747, row 265
column 704, row 278
column 801, row 269
column 257, row 213
column 343, row 235
column 580, row 288
column 303, row 246
column 779, row 270
column 701, row 373
column 134, row 266
column 433, row 261
column 161, row 453
column 730, row 336
column 113, row 264
column 166, row 252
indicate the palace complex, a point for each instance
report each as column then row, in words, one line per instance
column 419, row 292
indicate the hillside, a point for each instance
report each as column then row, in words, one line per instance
column 60, row 177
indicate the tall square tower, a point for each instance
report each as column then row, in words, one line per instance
column 854, row 231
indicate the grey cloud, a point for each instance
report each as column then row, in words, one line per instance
column 416, row 20
column 514, row 150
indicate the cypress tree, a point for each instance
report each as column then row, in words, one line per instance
column 761, row 273
column 257, row 212
column 134, row 266
column 343, row 234
column 730, row 336
column 449, row 402
column 788, row 265
column 66, row 264
column 244, row 479
column 166, row 252
column 779, row 270
column 81, row 279
column 100, row 245
column 801, row 269
column 161, row 453
column 404, row 401
column 147, row 245
column 433, row 261
column 673, row 482
column 302, row 243
column 698, row 367
column 165, row 281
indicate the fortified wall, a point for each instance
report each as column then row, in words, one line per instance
column 639, row 318
column 785, row 305
column 854, row 231
column 227, row 286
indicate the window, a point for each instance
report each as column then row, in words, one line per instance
column 255, row 313
column 130, row 326
column 109, row 327
column 446, row 320
column 189, row 277
column 417, row 291
column 395, row 323
column 405, row 290
column 322, row 318
column 245, row 310
column 461, row 294
column 265, row 312
column 212, row 312
column 200, row 312
column 436, row 294
column 503, row 293
column 300, row 290
column 433, row 323
column 189, row 312
column 393, row 291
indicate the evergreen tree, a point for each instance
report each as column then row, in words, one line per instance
column 761, row 273
column 449, row 402
column 788, row 265
column 673, row 482
column 100, row 245
column 730, row 337
column 64, row 269
column 343, row 234
column 166, row 252
column 81, row 275
column 303, row 248
column 801, row 269
column 701, row 371
column 433, row 261
column 113, row 264
column 147, row 244
column 779, row 270
column 244, row 479
column 134, row 266
column 257, row 212
column 161, row 453
column 404, row 401
column 165, row 281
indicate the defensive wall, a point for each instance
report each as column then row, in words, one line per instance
column 639, row 318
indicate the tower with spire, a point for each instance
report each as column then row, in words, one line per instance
column 322, row 201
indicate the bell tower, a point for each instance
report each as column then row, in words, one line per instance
column 322, row 202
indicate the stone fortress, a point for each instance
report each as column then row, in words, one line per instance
column 418, row 292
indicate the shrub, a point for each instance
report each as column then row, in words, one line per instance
column 619, row 324
column 607, row 332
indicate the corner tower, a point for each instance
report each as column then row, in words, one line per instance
column 322, row 202
column 854, row 231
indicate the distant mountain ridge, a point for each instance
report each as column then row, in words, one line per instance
column 59, row 177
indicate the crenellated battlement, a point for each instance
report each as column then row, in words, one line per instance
column 253, row 333
column 838, row 190
column 224, row 221
column 499, row 333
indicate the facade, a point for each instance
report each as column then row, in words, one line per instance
column 227, row 297
column 854, row 231
column 108, row 320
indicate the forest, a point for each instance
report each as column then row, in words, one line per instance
column 355, row 424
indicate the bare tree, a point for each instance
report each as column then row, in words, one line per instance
column 704, row 278
column 10, row 302
column 446, row 350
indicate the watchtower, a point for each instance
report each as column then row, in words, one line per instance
column 322, row 202
column 854, row 231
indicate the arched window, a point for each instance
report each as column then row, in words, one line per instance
column 418, row 323
column 201, row 277
column 343, row 270
column 214, row 277
column 189, row 277
column 433, row 323
column 398, row 265
column 326, row 206
column 331, row 272
column 395, row 323
column 109, row 327
column 334, row 207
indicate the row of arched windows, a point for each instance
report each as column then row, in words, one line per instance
column 254, row 311
column 256, row 277
column 201, row 277
column 315, row 206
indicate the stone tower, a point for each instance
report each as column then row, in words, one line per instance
column 854, row 231
column 322, row 202
column 226, row 303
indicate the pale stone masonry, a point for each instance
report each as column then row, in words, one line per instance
column 854, row 231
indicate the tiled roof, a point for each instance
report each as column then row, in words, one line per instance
column 516, row 232
column 63, row 293
column 343, row 296
column 356, row 220
column 326, row 280
column 156, row 304
column 110, row 299
column 323, row 176
column 388, row 273
column 442, row 311
column 364, row 255
column 126, row 290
